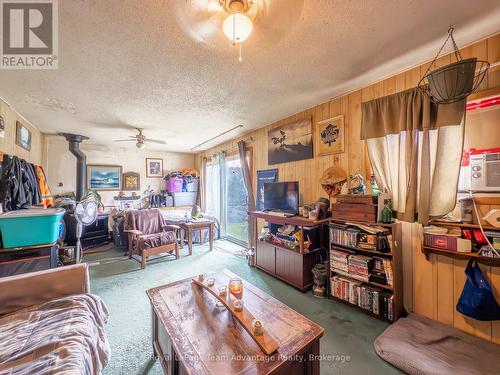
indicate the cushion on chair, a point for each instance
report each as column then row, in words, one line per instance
column 63, row 336
column 150, row 241
column 146, row 221
column 418, row 346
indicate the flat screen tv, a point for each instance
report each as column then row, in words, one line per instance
column 281, row 197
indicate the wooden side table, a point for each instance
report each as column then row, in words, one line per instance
column 197, row 225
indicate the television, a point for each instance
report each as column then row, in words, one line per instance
column 281, row 197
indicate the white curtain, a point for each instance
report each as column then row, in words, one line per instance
column 216, row 200
column 202, row 190
column 415, row 148
column 213, row 189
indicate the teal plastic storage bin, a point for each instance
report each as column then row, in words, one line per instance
column 30, row 227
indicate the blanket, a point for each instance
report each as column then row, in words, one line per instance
column 420, row 346
column 62, row 336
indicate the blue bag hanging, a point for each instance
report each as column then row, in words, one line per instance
column 477, row 299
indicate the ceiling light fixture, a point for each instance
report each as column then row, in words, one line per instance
column 237, row 26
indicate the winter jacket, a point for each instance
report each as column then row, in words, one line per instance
column 18, row 184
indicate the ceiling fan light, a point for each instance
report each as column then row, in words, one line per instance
column 140, row 145
column 237, row 27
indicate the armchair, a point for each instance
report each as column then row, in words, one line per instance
column 149, row 235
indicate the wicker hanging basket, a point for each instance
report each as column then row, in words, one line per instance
column 455, row 81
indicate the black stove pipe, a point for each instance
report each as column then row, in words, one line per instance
column 81, row 162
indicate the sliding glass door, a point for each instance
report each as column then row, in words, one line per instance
column 227, row 196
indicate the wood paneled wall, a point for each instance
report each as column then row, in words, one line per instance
column 8, row 143
column 437, row 283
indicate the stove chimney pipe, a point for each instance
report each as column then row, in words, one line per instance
column 81, row 162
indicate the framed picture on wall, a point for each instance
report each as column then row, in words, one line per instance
column 154, row 168
column 131, row 181
column 104, row 177
column 330, row 136
column 23, row 136
column 290, row 142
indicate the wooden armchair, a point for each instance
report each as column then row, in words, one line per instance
column 149, row 235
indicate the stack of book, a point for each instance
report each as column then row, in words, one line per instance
column 359, row 267
column 338, row 261
column 369, row 298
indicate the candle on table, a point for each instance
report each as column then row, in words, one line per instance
column 236, row 287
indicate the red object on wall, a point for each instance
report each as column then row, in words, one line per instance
column 474, row 151
column 485, row 103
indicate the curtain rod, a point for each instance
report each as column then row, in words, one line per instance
column 217, row 136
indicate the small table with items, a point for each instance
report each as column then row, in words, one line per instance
column 200, row 225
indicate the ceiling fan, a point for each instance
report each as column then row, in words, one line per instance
column 141, row 139
column 213, row 22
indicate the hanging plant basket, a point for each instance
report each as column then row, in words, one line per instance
column 455, row 81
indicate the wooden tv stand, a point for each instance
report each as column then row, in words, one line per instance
column 292, row 266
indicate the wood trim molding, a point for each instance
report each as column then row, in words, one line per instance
column 484, row 94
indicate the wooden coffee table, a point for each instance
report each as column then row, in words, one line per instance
column 191, row 335
column 197, row 225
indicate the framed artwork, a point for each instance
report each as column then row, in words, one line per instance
column 131, row 181
column 263, row 176
column 330, row 136
column 290, row 142
column 154, row 168
column 23, row 136
column 104, row 177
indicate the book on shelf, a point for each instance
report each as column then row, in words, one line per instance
column 343, row 235
column 354, row 237
column 372, row 229
column 388, row 271
column 375, row 300
column 361, row 268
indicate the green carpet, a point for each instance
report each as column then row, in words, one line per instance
column 122, row 285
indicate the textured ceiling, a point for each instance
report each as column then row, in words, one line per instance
column 128, row 63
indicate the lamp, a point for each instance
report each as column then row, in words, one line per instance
column 237, row 27
column 140, row 145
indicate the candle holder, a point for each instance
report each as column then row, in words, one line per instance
column 257, row 327
column 236, row 287
column 201, row 277
column 238, row 305
column 222, row 293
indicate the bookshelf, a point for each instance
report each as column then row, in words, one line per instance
column 361, row 291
